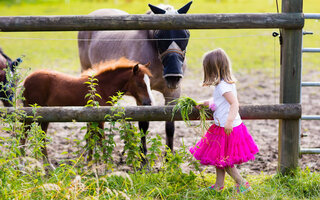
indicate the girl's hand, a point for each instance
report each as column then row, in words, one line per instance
column 202, row 104
column 199, row 106
column 228, row 128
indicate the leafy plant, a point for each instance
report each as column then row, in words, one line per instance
column 154, row 150
column 12, row 122
column 95, row 135
column 129, row 134
column 92, row 95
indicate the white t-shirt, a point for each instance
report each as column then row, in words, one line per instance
column 221, row 112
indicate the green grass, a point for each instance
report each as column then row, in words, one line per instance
column 304, row 185
column 249, row 49
column 63, row 183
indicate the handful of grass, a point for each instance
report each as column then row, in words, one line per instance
column 186, row 105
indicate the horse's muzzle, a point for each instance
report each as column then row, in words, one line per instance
column 173, row 82
column 146, row 102
column 173, row 71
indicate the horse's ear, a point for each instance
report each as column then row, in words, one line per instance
column 14, row 64
column 185, row 8
column 156, row 10
column 148, row 64
column 135, row 69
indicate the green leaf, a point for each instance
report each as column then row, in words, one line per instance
column 98, row 95
column 64, row 153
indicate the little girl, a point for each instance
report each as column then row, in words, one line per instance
column 227, row 142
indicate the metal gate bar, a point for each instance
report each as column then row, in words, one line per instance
column 310, row 151
column 310, row 84
column 311, row 50
column 310, row 117
column 311, row 15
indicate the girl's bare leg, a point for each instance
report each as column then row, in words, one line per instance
column 234, row 173
column 221, row 173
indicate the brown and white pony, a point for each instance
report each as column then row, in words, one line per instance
column 49, row 88
column 165, row 49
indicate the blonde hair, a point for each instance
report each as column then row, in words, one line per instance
column 217, row 66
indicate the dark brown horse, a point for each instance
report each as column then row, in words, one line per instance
column 6, row 94
column 165, row 49
column 48, row 88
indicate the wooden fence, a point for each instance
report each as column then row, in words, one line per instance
column 146, row 22
column 290, row 21
column 151, row 113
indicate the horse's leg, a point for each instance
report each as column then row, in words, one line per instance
column 44, row 127
column 102, row 137
column 169, row 134
column 23, row 139
column 88, row 141
column 6, row 103
column 169, row 96
column 143, row 127
column 90, row 135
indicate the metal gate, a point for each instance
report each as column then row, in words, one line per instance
column 310, row 84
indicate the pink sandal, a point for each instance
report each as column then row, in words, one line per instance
column 243, row 188
column 213, row 187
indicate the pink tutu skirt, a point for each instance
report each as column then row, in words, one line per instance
column 222, row 150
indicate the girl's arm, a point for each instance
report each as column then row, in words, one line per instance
column 234, row 109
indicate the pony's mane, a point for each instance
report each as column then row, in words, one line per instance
column 111, row 65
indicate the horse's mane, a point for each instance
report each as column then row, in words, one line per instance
column 111, row 65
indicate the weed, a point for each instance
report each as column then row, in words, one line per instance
column 129, row 134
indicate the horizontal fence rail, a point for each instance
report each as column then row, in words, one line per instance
column 311, row 50
column 151, row 113
column 310, row 84
column 146, row 22
column 312, row 15
column 310, row 151
column 310, row 117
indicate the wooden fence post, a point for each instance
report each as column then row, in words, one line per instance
column 290, row 90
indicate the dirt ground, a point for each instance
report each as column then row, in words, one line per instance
column 255, row 87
